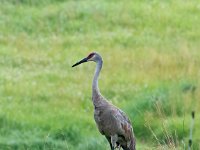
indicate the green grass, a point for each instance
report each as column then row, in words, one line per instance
column 151, row 64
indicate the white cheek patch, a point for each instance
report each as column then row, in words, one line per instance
column 92, row 58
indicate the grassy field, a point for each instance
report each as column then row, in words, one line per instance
column 151, row 71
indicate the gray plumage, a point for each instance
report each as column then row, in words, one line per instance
column 111, row 121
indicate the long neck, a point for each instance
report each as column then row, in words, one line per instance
column 96, row 95
column 95, row 88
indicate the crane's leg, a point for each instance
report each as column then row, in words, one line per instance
column 109, row 140
column 114, row 139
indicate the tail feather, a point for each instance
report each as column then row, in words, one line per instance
column 131, row 146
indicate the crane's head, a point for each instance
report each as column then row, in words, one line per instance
column 91, row 57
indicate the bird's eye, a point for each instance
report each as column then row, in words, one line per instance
column 90, row 55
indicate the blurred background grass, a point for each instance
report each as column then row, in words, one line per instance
column 151, row 70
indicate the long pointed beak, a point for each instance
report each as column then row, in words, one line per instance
column 80, row 62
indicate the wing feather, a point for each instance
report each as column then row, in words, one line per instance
column 125, row 124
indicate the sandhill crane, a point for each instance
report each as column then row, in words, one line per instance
column 110, row 120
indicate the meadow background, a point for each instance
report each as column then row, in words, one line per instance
column 151, row 71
